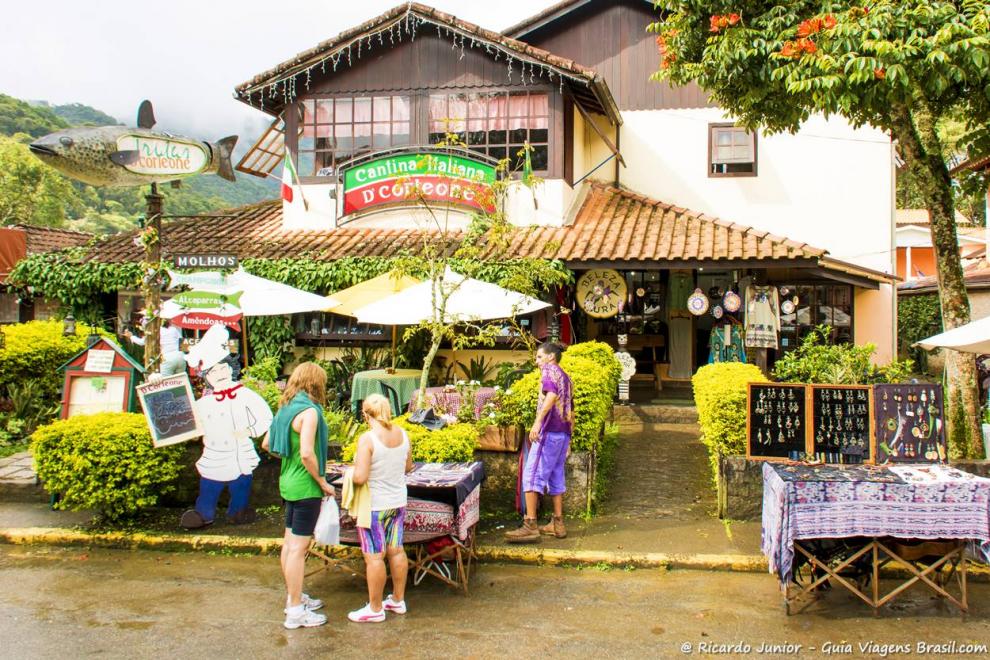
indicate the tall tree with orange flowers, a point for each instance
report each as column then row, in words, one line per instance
column 899, row 66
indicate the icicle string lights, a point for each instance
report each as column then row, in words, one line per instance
column 409, row 23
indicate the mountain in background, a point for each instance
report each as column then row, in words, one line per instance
column 34, row 193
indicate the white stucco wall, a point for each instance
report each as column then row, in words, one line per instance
column 829, row 185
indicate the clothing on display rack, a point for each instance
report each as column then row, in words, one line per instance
column 680, row 289
column 762, row 316
column 725, row 344
column 681, row 336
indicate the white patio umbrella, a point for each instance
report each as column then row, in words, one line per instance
column 249, row 295
column 974, row 337
column 259, row 296
column 472, row 300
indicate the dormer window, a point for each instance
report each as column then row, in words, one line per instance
column 731, row 151
column 496, row 124
column 337, row 129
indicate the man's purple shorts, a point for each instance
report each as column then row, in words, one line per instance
column 544, row 469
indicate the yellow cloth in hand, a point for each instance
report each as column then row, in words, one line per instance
column 356, row 499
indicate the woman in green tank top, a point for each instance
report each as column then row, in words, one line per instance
column 298, row 435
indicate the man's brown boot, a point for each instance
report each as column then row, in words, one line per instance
column 555, row 527
column 528, row 533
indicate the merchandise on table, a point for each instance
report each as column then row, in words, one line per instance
column 775, row 417
column 841, row 426
column 909, row 421
column 862, row 501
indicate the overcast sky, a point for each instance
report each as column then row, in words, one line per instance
column 184, row 55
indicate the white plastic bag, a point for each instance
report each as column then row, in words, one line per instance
column 327, row 530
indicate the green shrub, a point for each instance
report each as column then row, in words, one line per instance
column 818, row 361
column 605, row 463
column 104, row 462
column 34, row 351
column 452, row 444
column 601, row 353
column 720, row 396
column 594, row 373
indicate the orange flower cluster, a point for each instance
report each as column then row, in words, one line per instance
column 813, row 25
column 795, row 48
column 720, row 22
column 666, row 57
column 880, row 73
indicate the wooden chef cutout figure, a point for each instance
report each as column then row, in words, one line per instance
column 231, row 415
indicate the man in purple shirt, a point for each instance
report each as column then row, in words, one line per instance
column 549, row 445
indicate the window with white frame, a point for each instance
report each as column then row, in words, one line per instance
column 731, row 151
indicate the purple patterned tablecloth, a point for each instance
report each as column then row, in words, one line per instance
column 907, row 501
column 445, row 402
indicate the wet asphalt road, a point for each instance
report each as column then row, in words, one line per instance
column 68, row 603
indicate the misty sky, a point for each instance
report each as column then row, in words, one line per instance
column 184, row 55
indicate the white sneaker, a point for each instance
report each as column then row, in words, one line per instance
column 308, row 619
column 392, row 605
column 366, row 615
column 307, row 602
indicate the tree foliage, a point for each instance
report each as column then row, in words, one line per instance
column 905, row 67
column 32, row 193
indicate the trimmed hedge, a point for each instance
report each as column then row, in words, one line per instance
column 104, row 462
column 452, row 444
column 720, row 396
column 34, row 351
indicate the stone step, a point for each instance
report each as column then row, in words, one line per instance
column 655, row 413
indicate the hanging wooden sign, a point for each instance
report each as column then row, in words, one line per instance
column 600, row 292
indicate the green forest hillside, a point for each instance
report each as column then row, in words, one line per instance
column 33, row 193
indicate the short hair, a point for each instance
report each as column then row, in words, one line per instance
column 377, row 407
column 552, row 348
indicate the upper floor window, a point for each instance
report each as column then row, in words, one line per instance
column 337, row 129
column 497, row 124
column 731, row 151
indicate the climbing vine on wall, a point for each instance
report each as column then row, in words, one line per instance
column 66, row 276
column 918, row 317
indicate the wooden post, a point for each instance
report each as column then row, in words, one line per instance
column 152, row 286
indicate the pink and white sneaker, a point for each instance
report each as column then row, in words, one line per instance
column 366, row 615
column 392, row 605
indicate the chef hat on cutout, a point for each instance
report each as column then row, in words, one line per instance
column 210, row 349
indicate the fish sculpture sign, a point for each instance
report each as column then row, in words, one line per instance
column 122, row 156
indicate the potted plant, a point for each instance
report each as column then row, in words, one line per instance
column 497, row 432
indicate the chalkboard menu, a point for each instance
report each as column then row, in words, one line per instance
column 910, row 423
column 170, row 410
column 776, row 420
column 841, row 424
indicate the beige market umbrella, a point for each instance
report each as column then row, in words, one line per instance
column 371, row 291
column 974, row 337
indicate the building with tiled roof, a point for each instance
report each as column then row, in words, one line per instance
column 643, row 184
column 18, row 241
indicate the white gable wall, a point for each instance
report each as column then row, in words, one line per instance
column 829, row 185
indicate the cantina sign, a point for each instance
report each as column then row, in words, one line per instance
column 407, row 177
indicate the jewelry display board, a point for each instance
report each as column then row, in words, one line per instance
column 910, row 423
column 776, row 421
column 841, row 424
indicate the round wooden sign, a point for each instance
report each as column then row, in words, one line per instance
column 600, row 292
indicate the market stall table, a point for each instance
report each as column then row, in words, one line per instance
column 847, row 522
column 446, row 401
column 365, row 383
column 441, row 516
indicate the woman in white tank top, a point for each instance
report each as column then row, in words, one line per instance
column 382, row 460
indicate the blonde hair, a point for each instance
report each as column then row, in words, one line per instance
column 376, row 407
column 310, row 378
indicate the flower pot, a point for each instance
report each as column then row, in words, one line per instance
column 499, row 438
